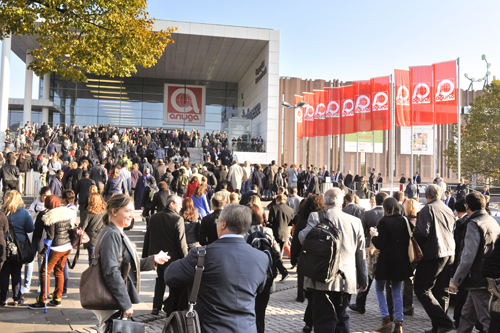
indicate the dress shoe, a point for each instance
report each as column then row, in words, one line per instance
column 354, row 307
column 155, row 312
column 386, row 326
column 307, row 329
column 300, row 300
column 445, row 329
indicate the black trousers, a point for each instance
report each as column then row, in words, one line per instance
column 329, row 312
column 407, row 295
column 260, row 309
column 279, row 265
column 361, row 296
column 432, row 286
column 159, row 287
column 308, row 314
column 495, row 322
column 300, row 282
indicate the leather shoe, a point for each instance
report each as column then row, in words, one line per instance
column 307, row 329
column 300, row 300
column 445, row 329
column 429, row 331
column 155, row 312
column 354, row 307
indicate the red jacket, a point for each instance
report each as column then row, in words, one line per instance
column 190, row 189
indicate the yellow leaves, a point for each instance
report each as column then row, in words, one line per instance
column 103, row 37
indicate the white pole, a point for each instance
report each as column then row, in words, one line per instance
column 341, row 140
column 411, row 143
column 28, row 89
column 295, row 135
column 304, row 141
column 391, row 143
column 316, row 154
column 373, row 153
column 46, row 97
column 357, row 152
column 329, row 152
column 459, row 108
column 5, row 84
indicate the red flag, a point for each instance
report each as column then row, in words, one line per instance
column 309, row 130
column 319, row 116
column 347, row 104
column 362, row 107
column 445, row 104
column 300, row 123
column 332, row 102
column 402, row 88
column 381, row 103
column 422, row 96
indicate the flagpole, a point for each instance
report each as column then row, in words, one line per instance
column 341, row 141
column 411, row 143
column 459, row 107
column 329, row 151
column 357, row 152
column 391, row 137
column 373, row 153
column 316, row 154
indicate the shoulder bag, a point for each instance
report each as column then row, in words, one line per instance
column 414, row 251
column 21, row 251
column 94, row 293
column 188, row 321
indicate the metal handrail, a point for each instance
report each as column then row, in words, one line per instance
column 48, row 143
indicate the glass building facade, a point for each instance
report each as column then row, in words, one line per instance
column 134, row 101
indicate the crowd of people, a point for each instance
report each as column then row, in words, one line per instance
column 103, row 175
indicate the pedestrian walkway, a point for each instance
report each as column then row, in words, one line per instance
column 284, row 314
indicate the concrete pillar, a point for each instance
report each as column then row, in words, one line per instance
column 28, row 90
column 4, row 84
column 46, row 97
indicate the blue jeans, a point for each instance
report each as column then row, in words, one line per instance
column 245, row 187
column 90, row 250
column 268, row 193
column 396, row 297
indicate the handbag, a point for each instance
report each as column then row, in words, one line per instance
column 117, row 324
column 94, row 293
column 494, row 289
column 414, row 252
column 21, row 251
column 78, row 236
column 188, row 321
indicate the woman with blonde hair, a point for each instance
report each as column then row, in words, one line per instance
column 93, row 221
column 22, row 224
column 200, row 200
column 412, row 207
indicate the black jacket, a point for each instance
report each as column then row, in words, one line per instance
column 296, row 247
column 82, row 190
column 246, row 197
column 193, row 231
column 313, row 186
column 160, row 201
column 280, row 217
column 392, row 241
column 57, row 223
column 258, row 178
column 166, row 233
column 9, row 173
column 208, row 229
column 433, row 230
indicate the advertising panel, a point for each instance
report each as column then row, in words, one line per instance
column 184, row 104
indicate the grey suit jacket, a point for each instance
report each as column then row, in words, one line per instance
column 354, row 210
column 352, row 253
column 110, row 254
column 234, row 273
column 370, row 219
column 294, row 202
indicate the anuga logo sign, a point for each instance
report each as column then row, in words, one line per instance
column 184, row 105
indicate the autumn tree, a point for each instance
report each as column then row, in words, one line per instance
column 480, row 137
column 76, row 37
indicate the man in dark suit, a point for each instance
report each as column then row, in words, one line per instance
column 324, row 174
column 160, row 198
column 82, row 191
column 338, row 177
column 411, row 190
column 234, row 273
column 160, row 170
column 449, row 201
column 208, row 228
column 258, row 179
column 348, row 180
column 280, row 218
column 371, row 180
column 351, row 208
column 369, row 220
column 400, row 197
column 245, row 197
column 313, row 185
column 416, row 180
column 380, row 180
column 166, row 233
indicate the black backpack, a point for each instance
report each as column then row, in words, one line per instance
column 258, row 239
column 320, row 257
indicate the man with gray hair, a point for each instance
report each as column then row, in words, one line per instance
column 234, row 273
column 331, row 299
column 433, row 232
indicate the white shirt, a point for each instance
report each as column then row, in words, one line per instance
column 231, row 236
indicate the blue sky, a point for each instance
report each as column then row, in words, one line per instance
column 350, row 40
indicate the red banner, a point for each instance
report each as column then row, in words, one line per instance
column 300, row 118
column 445, row 92
column 320, row 122
column 422, row 96
column 332, row 102
column 309, row 129
column 381, row 103
column 402, row 88
column 362, row 106
column 347, row 105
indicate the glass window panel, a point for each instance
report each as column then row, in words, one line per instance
column 214, row 109
column 132, row 80
column 85, row 98
column 133, row 103
column 152, row 114
column 216, row 101
column 153, row 89
column 109, row 120
column 216, row 93
column 58, row 84
column 82, row 111
column 232, row 94
column 128, row 88
column 152, row 123
column 152, row 102
column 147, row 81
column 85, row 120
